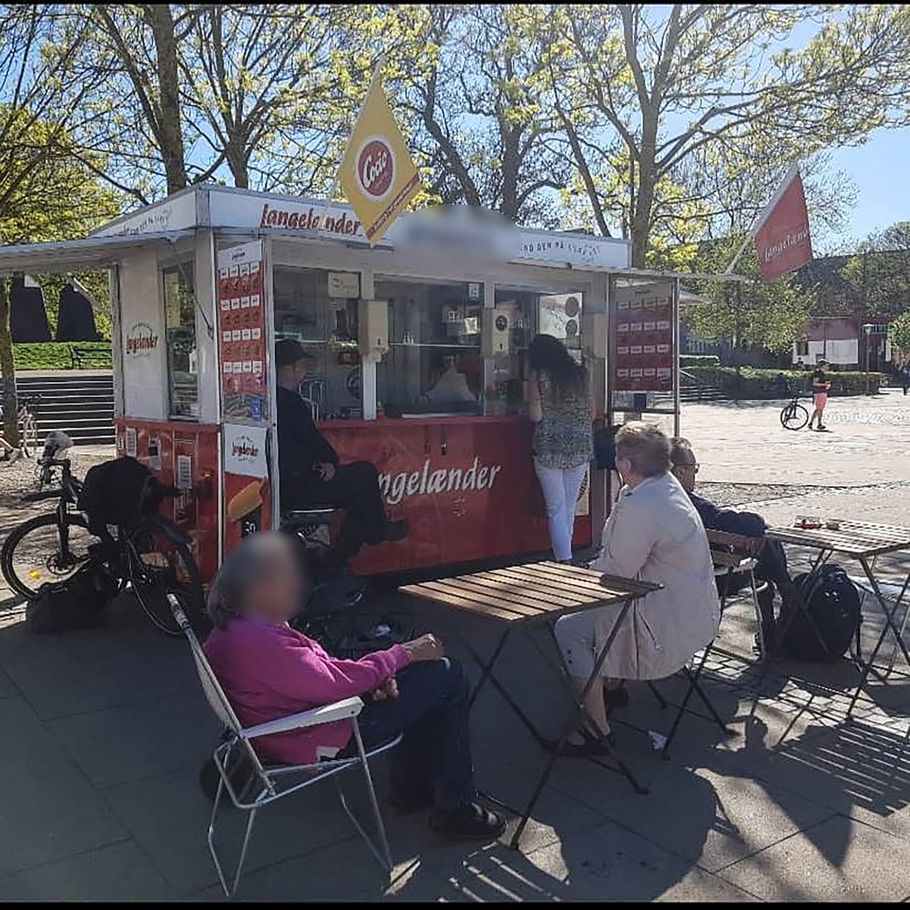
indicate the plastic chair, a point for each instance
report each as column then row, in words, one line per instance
column 265, row 784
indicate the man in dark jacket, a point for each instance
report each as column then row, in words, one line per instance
column 310, row 472
column 772, row 561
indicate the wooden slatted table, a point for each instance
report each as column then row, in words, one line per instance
column 862, row 541
column 522, row 598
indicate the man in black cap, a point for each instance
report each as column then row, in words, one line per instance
column 310, row 474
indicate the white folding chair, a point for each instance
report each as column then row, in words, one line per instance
column 265, row 784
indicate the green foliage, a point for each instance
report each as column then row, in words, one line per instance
column 56, row 355
column 764, row 314
column 900, row 332
column 880, row 272
column 756, row 383
column 681, row 119
column 699, row 360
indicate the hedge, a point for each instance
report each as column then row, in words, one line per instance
column 698, row 360
column 755, row 383
column 55, row 355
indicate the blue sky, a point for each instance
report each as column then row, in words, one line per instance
column 879, row 171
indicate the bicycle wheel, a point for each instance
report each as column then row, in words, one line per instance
column 794, row 417
column 161, row 564
column 37, row 551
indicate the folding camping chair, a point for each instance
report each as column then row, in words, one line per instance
column 732, row 555
column 265, row 784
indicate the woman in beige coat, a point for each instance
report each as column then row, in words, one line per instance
column 653, row 534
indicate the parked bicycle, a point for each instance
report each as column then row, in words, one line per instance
column 793, row 415
column 151, row 557
column 28, row 427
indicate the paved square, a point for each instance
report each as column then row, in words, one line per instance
column 106, row 731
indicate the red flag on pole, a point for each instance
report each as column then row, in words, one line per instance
column 782, row 240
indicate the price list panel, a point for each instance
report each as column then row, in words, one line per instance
column 643, row 340
column 241, row 323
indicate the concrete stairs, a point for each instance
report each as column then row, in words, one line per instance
column 79, row 402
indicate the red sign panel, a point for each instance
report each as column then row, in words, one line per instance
column 782, row 241
column 643, row 339
column 466, row 486
column 241, row 310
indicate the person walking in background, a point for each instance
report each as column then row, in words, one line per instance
column 559, row 403
column 904, row 374
column 820, row 386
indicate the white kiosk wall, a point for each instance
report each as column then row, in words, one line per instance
column 142, row 337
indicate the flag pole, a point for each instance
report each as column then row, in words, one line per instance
column 334, row 187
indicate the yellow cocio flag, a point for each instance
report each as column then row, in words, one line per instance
column 377, row 174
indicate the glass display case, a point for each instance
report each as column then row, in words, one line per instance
column 308, row 309
column 434, row 364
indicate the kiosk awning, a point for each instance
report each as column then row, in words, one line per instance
column 70, row 255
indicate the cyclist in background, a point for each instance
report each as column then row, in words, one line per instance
column 820, row 386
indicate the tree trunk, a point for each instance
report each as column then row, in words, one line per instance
column 644, row 198
column 8, row 371
column 237, row 163
column 161, row 23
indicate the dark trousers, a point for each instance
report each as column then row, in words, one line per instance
column 432, row 712
column 354, row 488
column 772, row 568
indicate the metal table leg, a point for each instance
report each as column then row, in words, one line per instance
column 889, row 624
column 487, row 675
column 580, row 714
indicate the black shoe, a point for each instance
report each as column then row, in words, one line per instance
column 616, row 698
column 590, row 748
column 470, row 822
column 409, row 802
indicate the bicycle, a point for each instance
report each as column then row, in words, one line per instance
column 152, row 558
column 793, row 415
column 28, row 428
column 28, row 425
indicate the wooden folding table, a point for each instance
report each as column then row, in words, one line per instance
column 523, row 597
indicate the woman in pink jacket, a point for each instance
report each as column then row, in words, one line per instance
column 268, row 670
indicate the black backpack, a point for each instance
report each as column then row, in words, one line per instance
column 119, row 492
column 833, row 603
column 76, row 603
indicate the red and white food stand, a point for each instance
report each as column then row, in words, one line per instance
column 416, row 349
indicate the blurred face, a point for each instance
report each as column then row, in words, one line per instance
column 279, row 595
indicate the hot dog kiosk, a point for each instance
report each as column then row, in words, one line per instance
column 416, row 351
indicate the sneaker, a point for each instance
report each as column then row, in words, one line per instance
column 470, row 822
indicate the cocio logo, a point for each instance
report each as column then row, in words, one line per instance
column 375, row 168
column 141, row 340
column 244, row 449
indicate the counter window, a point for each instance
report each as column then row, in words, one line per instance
column 556, row 313
column 434, row 363
column 308, row 308
column 180, row 331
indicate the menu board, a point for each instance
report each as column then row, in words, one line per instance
column 241, row 322
column 644, row 338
